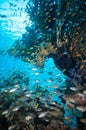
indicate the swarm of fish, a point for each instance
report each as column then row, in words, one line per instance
column 31, row 109
column 21, row 108
column 25, row 109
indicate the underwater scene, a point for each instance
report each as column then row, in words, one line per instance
column 42, row 64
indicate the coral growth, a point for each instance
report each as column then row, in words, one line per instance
column 59, row 32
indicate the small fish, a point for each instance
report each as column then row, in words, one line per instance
column 73, row 14
column 17, row 86
column 16, row 108
column 71, row 47
column 83, row 120
column 31, row 48
column 11, row 127
column 54, row 19
column 63, row 70
column 44, row 9
column 84, row 61
column 67, row 118
column 81, row 67
column 45, row 20
column 5, row 112
column 12, row 4
column 28, row 52
column 37, row 81
column 77, row 33
column 72, row 100
column 57, row 75
column 80, row 95
column 47, row 27
column 51, row 4
column 64, row 88
column 69, row 105
column 81, row 108
column 49, row 21
column 28, row 95
column 58, row 13
column 36, row 73
column 84, row 91
column 13, row 90
column 3, row 16
column 28, row 118
column 46, row 4
column 42, row 114
column 51, row 9
column 76, row 88
column 34, row 69
column 50, row 73
column 73, row 88
column 38, row 12
column 23, row 99
column 47, row 13
column 78, row 55
column 49, row 16
column 49, row 81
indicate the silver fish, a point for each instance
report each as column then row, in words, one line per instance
column 42, row 114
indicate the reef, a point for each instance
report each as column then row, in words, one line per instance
column 25, row 109
column 61, row 36
column 58, row 31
